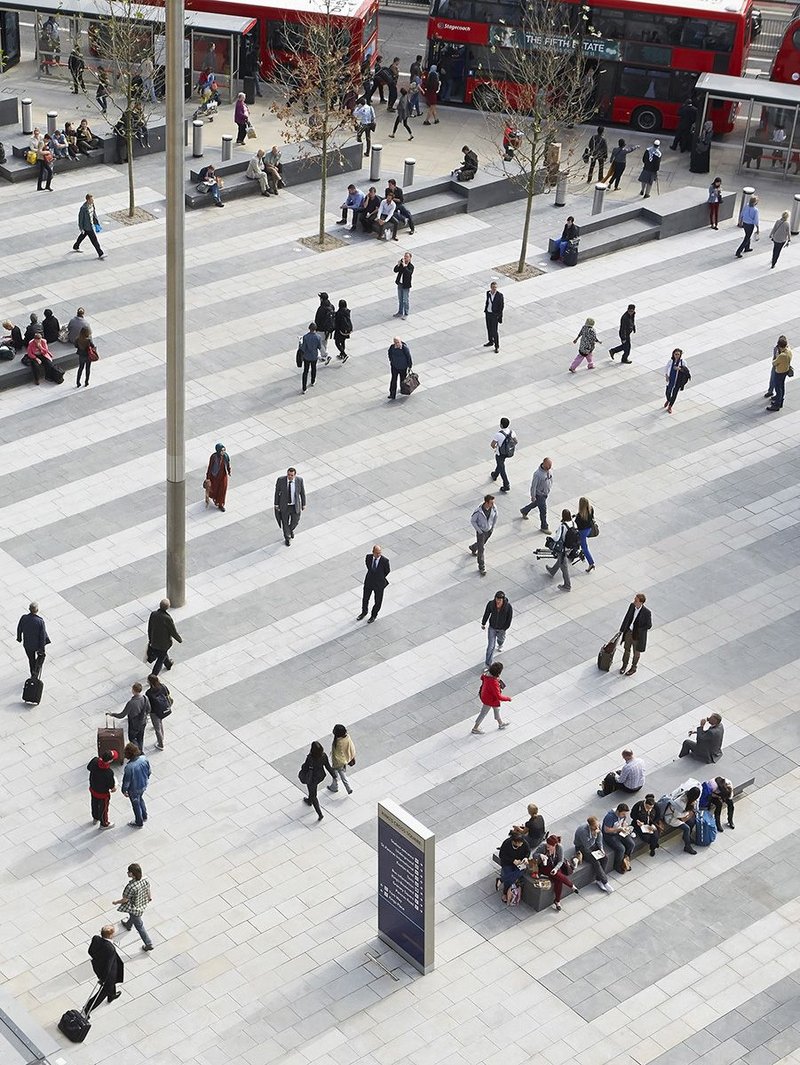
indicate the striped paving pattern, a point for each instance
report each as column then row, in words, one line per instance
column 260, row 917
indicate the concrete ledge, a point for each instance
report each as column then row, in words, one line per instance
column 13, row 373
column 9, row 111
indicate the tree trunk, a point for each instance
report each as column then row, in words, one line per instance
column 131, row 190
column 323, row 181
column 526, row 229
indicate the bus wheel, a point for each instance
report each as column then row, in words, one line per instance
column 487, row 98
column 647, row 119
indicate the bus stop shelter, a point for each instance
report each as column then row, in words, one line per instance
column 772, row 130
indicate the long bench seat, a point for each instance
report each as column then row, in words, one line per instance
column 14, row 373
column 660, row 782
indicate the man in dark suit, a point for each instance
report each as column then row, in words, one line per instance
column 493, row 311
column 108, row 966
column 374, row 583
column 635, row 625
column 707, row 747
column 32, row 634
column 290, row 502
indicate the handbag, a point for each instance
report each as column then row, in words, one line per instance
column 302, row 775
column 251, row 133
column 31, row 157
column 91, row 353
column 63, row 335
column 790, row 372
column 298, row 358
column 586, row 154
column 595, row 529
column 98, row 228
column 409, row 383
column 352, row 763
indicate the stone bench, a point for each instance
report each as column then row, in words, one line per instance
column 296, row 170
column 659, row 783
column 16, row 168
column 14, row 373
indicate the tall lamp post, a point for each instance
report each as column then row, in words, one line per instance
column 176, row 337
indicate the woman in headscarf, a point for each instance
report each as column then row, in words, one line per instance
column 217, row 474
column 651, row 161
column 588, row 342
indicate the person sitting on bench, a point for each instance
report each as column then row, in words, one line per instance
column 549, row 856
column 569, row 232
column 386, row 217
column 354, row 202
column 369, row 209
column 589, row 844
column 617, row 836
column 86, row 137
column 469, row 167
column 644, row 818
column 629, row 777
column 514, row 849
column 708, row 745
column 212, row 184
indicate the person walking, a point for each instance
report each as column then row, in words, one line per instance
column 541, row 483
column 687, row 115
column 491, row 696
column 32, row 634
column 159, row 701
column 135, row 710
column 101, row 783
column 677, row 376
column 403, row 105
column 108, row 967
column 308, row 349
column 781, row 345
column 498, row 613
column 634, row 629
column 483, row 521
column 217, row 474
column 101, row 92
column 431, row 93
column 76, row 66
column 619, row 161
column 780, row 235
column 714, row 200
column 147, row 74
column 324, row 320
column 493, row 313
column 750, row 222
column 161, row 632
column 364, row 116
column 134, row 783
column 343, row 756
column 651, row 163
column 586, row 526
column 290, row 502
column 587, row 340
column 135, row 898
column 561, row 551
column 404, row 271
column 627, row 327
column 45, row 157
column 312, row 773
column 375, row 582
column 88, row 225
column 400, row 362
column 598, row 153
column 84, row 346
column 504, row 444
column 342, row 329
column 241, row 116
column 781, row 367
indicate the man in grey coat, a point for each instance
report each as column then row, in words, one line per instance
column 87, row 220
column 161, row 632
column 483, row 521
column 707, row 744
column 541, row 483
column 32, row 634
column 136, row 710
column 290, row 502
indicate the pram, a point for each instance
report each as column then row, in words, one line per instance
column 548, row 552
column 207, row 109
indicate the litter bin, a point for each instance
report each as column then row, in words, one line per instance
column 249, row 89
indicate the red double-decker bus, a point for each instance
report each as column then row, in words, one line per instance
column 278, row 33
column 644, row 56
column 786, row 64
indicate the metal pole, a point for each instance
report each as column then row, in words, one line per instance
column 375, row 162
column 176, row 398
column 197, row 138
column 408, row 172
column 794, row 221
column 597, row 201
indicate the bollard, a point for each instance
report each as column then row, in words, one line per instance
column 552, row 161
column 561, row 190
column 52, row 122
column 597, row 202
column 747, row 192
column 197, row 138
column 227, row 147
column 27, row 116
column 375, row 162
column 794, row 221
column 408, row 172
column 186, row 132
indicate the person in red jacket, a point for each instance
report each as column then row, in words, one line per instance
column 491, row 695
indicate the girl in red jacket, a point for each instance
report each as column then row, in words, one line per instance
column 491, row 695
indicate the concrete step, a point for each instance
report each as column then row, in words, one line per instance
column 439, row 205
column 425, row 188
column 625, row 234
column 15, row 169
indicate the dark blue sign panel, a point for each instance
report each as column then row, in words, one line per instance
column 405, row 885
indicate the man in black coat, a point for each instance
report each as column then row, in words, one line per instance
column 400, row 362
column 161, row 632
column 290, row 502
column 374, row 583
column 32, row 634
column 687, row 116
column 108, row 966
column 493, row 312
column 627, row 326
column 324, row 321
column 634, row 628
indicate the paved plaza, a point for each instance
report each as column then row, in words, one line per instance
column 262, row 917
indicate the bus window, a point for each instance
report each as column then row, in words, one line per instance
column 708, row 36
column 649, row 84
column 369, row 28
column 653, row 29
column 456, row 9
column 608, row 22
column 285, row 36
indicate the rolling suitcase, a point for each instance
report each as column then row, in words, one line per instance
column 570, row 254
column 606, row 655
column 75, row 1025
column 111, row 739
column 32, row 690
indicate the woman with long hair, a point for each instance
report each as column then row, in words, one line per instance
column 83, row 342
column 312, row 774
column 677, row 376
column 584, row 522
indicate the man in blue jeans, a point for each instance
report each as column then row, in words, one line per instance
column 541, row 483
column 749, row 223
column 134, row 783
column 618, row 835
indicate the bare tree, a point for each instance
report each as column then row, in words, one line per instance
column 122, row 40
column 318, row 92
column 539, row 82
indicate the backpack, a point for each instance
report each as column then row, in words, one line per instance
column 508, row 446
column 705, row 829
column 572, row 539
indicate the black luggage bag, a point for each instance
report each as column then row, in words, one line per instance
column 570, row 255
column 75, row 1025
column 606, row 655
column 32, row 690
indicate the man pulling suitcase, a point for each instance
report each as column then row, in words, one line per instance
column 32, row 634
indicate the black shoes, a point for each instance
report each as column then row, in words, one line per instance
column 361, row 616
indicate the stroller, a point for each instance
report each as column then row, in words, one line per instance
column 549, row 551
column 207, row 109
